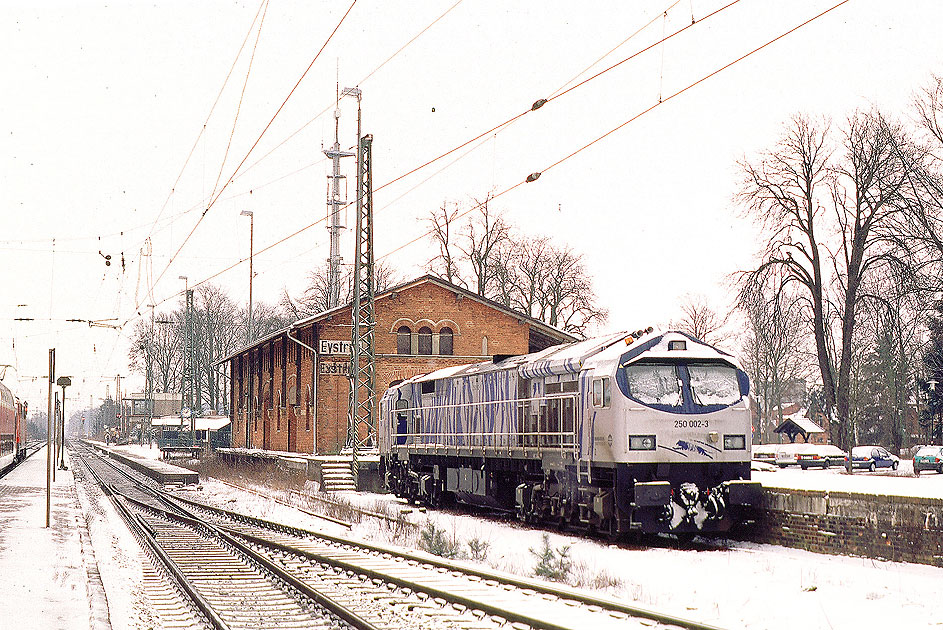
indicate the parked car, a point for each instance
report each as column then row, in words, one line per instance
column 787, row 454
column 822, row 455
column 928, row 458
column 765, row 453
column 872, row 458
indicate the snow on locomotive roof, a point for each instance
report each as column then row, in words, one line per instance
column 595, row 352
column 661, row 348
column 566, row 358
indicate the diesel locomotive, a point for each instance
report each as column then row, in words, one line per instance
column 643, row 431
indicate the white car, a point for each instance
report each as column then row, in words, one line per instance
column 822, row 455
column 788, row 454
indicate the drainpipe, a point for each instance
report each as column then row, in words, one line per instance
column 314, row 385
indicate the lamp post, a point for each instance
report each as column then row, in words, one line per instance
column 63, row 382
column 248, row 213
column 932, row 383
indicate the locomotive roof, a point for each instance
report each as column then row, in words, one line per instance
column 596, row 352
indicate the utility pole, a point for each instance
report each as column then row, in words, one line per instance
column 149, row 384
column 187, row 387
column 362, row 361
column 119, row 412
column 248, row 213
column 49, row 467
column 55, row 432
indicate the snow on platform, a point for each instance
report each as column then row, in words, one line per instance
column 153, row 468
column 896, row 483
column 50, row 577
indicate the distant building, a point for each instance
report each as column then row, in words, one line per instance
column 165, row 404
column 286, row 397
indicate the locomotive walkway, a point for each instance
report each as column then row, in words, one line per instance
column 50, row 577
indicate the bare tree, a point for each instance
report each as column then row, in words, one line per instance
column 166, row 350
column 700, row 320
column 782, row 193
column 528, row 274
column 446, row 264
column 316, row 296
column 484, row 233
column 774, row 349
column 831, row 220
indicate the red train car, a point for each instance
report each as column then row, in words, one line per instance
column 12, row 428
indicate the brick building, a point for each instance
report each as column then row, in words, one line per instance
column 288, row 398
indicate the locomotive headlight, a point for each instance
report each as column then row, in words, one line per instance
column 641, row 442
column 735, row 442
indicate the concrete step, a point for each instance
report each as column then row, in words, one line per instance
column 337, row 476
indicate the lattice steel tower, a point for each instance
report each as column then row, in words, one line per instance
column 361, row 430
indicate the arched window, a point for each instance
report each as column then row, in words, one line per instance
column 445, row 341
column 403, row 334
column 425, row 340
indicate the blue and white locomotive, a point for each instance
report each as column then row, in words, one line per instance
column 630, row 432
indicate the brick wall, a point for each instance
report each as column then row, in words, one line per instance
column 299, row 401
column 903, row 529
column 479, row 331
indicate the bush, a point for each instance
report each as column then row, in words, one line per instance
column 478, row 549
column 437, row 542
column 553, row 564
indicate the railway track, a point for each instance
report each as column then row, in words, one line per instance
column 251, row 571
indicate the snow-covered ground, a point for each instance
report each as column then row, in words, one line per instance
column 733, row 585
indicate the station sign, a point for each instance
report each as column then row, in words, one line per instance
column 341, row 368
column 334, row 346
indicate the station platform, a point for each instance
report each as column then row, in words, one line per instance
column 332, row 472
column 50, row 577
column 156, row 469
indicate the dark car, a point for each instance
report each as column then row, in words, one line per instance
column 872, row 458
column 823, row 455
column 928, row 458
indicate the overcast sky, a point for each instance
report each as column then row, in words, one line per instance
column 101, row 104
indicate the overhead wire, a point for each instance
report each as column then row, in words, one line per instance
column 238, row 174
column 542, row 102
column 255, row 144
column 199, row 205
column 472, row 140
column 357, row 83
column 209, row 115
column 242, row 95
column 531, row 178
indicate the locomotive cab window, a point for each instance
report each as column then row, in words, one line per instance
column 402, row 421
column 714, row 384
column 601, row 393
column 654, row 384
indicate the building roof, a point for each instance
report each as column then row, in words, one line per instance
column 203, row 423
column 797, row 425
column 544, row 331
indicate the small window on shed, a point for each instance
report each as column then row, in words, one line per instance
column 403, row 334
column 427, row 387
column 425, row 340
column 445, row 341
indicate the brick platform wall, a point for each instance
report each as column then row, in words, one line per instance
column 903, row 529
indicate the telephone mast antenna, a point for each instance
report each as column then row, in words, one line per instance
column 336, row 202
